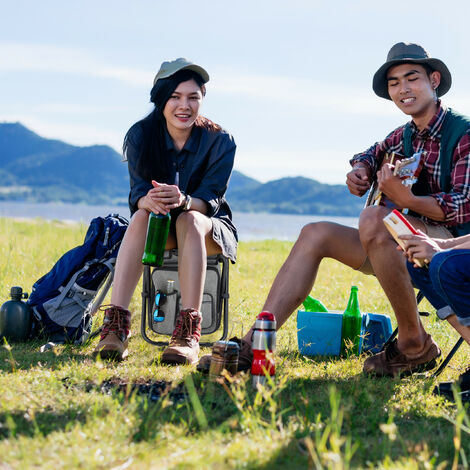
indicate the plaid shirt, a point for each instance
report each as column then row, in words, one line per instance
column 456, row 203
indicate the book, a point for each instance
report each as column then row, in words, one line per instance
column 398, row 225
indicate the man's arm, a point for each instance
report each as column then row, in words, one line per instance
column 402, row 196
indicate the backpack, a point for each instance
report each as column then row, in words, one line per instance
column 453, row 128
column 63, row 300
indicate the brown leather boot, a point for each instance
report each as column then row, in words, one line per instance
column 114, row 334
column 184, row 344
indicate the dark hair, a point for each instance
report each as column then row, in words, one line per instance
column 152, row 163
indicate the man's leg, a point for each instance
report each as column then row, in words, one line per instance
column 390, row 269
column 434, row 289
column 297, row 275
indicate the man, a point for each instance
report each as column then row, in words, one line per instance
column 446, row 284
column 413, row 81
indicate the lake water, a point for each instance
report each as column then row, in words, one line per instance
column 251, row 226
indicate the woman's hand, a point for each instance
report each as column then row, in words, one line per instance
column 420, row 247
column 162, row 198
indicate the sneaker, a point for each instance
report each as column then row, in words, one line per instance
column 184, row 344
column 462, row 383
column 393, row 363
column 114, row 334
column 245, row 357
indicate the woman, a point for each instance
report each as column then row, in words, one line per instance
column 179, row 162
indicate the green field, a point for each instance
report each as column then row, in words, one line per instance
column 319, row 413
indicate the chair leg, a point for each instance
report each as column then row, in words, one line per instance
column 448, row 358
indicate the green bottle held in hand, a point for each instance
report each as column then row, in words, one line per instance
column 351, row 326
column 157, row 235
column 313, row 305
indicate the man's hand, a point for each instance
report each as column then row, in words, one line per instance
column 393, row 187
column 420, row 246
column 358, row 180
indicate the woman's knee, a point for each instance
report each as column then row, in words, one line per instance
column 138, row 223
column 194, row 222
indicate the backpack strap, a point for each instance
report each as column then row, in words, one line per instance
column 407, row 142
column 453, row 129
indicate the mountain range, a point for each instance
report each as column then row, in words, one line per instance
column 36, row 169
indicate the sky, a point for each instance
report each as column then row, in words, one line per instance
column 291, row 81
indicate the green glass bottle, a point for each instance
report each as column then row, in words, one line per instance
column 157, row 235
column 351, row 326
column 313, row 305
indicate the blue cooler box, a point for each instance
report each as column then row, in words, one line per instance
column 378, row 331
column 319, row 333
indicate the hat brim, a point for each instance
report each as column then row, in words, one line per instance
column 195, row 68
column 380, row 84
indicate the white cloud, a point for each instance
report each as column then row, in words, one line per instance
column 56, row 59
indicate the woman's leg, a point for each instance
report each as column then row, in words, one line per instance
column 129, row 261
column 194, row 237
column 195, row 243
column 117, row 318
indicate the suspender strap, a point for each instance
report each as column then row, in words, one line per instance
column 453, row 129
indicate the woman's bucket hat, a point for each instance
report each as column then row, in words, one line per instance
column 168, row 68
column 406, row 53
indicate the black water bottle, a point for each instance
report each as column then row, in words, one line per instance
column 15, row 317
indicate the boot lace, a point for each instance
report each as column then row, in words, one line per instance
column 116, row 320
column 187, row 327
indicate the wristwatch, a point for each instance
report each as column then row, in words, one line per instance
column 187, row 202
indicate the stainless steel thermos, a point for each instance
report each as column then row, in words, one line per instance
column 263, row 345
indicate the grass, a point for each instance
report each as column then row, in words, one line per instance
column 318, row 412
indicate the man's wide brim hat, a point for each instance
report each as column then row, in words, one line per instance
column 409, row 53
column 170, row 67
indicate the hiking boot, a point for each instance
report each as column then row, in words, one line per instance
column 114, row 334
column 393, row 363
column 462, row 383
column 245, row 357
column 184, row 344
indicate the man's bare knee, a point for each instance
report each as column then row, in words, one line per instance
column 316, row 235
column 328, row 240
column 372, row 230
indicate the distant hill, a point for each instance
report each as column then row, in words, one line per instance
column 296, row 195
column 36, row 169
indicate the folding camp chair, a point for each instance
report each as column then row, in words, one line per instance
column 161, row 298
column 449, row 356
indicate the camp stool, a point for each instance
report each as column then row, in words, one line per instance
column 161, row 298
column 449, row 356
